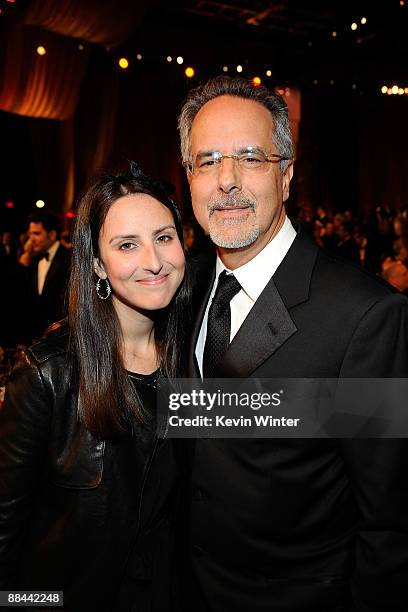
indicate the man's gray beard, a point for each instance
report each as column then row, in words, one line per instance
column 217, row 235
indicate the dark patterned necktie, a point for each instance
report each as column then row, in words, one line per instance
column 219, row 322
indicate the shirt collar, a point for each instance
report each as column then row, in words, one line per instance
column 52, row 250
column 256, row 273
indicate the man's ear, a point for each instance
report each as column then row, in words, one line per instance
column 99, row 269
column 287, row 177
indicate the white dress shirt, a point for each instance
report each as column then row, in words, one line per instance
column 44, row 266
column 253, row 278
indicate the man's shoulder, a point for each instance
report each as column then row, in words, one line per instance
column 344, row 277
column 62, row 253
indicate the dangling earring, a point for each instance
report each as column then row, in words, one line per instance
column 106, row 289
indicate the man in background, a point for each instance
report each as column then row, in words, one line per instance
column 49, row 270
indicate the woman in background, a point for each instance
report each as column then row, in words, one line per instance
column 87, row 489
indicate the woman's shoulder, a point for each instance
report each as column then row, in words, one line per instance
column 53, row 345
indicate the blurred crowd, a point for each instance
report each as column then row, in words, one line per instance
column 378, row 242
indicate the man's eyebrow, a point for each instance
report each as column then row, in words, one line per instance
column 206, row 153
column 240, row 151
column 136, row 236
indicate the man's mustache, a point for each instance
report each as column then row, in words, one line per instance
column 231, row 202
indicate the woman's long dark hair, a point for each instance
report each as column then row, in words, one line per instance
column 106, row 395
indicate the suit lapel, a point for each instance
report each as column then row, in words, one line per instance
column 193, row 369
column 52, row 269
column 269, row 324
column 265, row 329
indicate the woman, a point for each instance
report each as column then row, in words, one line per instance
column 87, row 490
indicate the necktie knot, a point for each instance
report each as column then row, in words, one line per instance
column 45, row 255
column 227, row 288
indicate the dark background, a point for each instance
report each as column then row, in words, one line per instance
column 73, row 111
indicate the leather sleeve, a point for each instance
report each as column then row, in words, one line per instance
column 24, row 430
column 377, row 468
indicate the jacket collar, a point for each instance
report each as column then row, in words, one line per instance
column 269, row 323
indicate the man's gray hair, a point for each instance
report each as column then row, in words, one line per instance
column 240, row 88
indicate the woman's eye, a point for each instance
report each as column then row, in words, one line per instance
column 127, row 246
column 165, row 238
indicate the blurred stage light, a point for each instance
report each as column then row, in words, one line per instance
column 123, row 63
column 179, row 60
column 9, row 204
column 256, row 81
column 269, row 73
column 169, row 58
column 41, row 50
column 40, row 203
column 239, row 68
column 189, row 72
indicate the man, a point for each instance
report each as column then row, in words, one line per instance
column 286, row 525
column 49, row 270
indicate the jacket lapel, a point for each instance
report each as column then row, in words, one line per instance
column 52, row 269
column 193, row 370
column 269, row 324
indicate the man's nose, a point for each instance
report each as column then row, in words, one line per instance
column 150, row 259
column 229, row 176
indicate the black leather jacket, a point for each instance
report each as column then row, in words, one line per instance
column 88, row 517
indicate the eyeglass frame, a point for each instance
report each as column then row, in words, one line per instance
column 236, row 156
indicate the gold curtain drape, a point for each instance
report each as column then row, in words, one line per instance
column 45, row 86
column 105, row 22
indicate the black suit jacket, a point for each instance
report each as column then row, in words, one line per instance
column 296, row 525
column 50, row 305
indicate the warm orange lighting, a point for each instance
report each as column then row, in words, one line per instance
column 41, row 50
column 394, row 89
column 389, row 91
column 189, row 72
column 384, row 89
column 334, row 34
column 364, row 20
column 256, row 81
column 123, row 63
column 402, row 2
column 400, row 91
column 70, row 214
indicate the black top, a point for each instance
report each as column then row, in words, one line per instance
column 92, row 518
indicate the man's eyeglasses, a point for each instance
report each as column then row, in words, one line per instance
column 249, row 158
